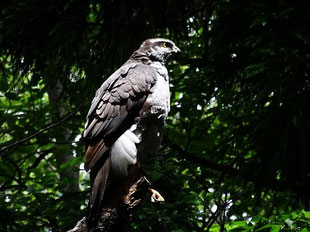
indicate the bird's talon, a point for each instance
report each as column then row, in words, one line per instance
column 156, row 197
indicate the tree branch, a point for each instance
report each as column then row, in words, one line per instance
column 42, row 130
column 121, row 200
column 249, row 176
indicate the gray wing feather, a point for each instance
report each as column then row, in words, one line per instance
column 136, row 88
column 104, row 87
column 111, row 109
column 129, row 104
column 103, row 113
column 97, row 128
column 122, row 93
column 126, row 88
column 133, row 81
column 117, row 95
column 100, row 110
column 100, row 105
column 116, row 110
column 105, row 97
column 108, row 107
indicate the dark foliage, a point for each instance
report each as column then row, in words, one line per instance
column 236, row 151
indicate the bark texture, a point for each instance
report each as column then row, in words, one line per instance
column 121, row 202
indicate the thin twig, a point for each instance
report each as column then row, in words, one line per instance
column 42, row 130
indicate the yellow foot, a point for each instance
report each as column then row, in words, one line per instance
column 156, row 197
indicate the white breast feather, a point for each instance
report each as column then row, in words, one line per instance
column 124, row 153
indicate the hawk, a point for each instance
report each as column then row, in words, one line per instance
column 139, row 88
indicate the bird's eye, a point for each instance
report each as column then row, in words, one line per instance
column 164, row 45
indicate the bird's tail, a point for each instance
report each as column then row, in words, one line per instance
column 100, row 160
column 98, row 188
column 99, row 176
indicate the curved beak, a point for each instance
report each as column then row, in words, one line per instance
column 176, row 50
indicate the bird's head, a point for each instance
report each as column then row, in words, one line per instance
column 158, row 49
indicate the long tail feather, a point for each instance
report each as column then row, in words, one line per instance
column 99, row 185
column 94, row 153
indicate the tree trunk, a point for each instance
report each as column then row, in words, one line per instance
column 59, row 110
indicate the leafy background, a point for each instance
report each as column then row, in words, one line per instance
column 235, row 155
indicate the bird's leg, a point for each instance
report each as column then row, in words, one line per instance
column 156, row 197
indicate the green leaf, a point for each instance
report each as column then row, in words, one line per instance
column 264, row 227
column 307, row 214
column 304, row 230
column 238, row 223
column 275, row 228
column 47, row 147
column 294, row 215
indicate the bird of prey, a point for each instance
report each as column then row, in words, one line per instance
column 140, row 87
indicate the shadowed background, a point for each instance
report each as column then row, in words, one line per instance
column 235, row 154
